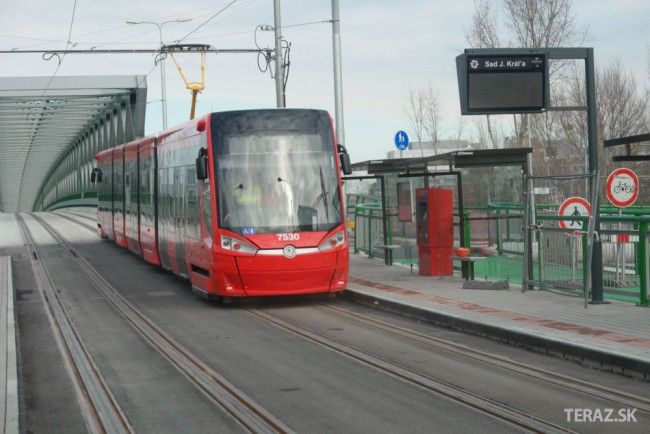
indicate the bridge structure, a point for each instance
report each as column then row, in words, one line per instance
column 52, row 127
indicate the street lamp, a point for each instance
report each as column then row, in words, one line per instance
column 163, row 88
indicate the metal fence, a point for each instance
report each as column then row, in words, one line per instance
column 495, row 231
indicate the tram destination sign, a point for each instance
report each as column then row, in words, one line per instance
column 502, row 84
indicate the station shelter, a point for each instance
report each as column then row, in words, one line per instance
column 385, row 202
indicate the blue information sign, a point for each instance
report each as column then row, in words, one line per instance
column 401, row 140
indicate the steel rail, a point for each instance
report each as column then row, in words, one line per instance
column 217, row 388
column 100, row 409
column 72, row 219
column 487, row 406
column 595, row 390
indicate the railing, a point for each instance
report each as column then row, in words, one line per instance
column 368, row 229
column 561, row 252
column 557, row 253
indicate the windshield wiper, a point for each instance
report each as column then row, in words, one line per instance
column 323, row 194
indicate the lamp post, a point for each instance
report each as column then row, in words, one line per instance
column 163, row 87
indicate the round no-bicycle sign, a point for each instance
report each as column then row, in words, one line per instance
column 622, row 187
column 571, row 208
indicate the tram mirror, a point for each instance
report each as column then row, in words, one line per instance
column 346, row 167
column 202, row 165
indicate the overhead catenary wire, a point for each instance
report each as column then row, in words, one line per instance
column 208, row 20
column 109, row 29
column 49, row 83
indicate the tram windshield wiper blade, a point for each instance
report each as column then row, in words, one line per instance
column 323, row 195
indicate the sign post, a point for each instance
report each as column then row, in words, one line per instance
column 515, row 80
column 622, row 190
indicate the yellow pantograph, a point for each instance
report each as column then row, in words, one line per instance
column 193, row 86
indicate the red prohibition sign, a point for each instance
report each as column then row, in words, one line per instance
column 573, row 207
column 622, row 187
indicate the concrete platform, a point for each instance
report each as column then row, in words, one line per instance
column 612, row 336
column 8, row 364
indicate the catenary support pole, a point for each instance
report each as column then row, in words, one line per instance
column 279, row 67
column 338, row 76
column 163, row 83
column 592, row 134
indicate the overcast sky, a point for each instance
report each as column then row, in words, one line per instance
column 388, row 47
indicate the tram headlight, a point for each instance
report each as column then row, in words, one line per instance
column 332, row 242
column 236, row 245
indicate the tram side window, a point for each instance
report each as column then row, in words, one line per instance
column 207, row 207
column 169, row 195
column 191, row 229
column 164, row 202
column 134, row 188
column 127, row 195
column 144, row 208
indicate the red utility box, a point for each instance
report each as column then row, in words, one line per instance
column 435, row 230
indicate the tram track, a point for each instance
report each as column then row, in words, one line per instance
column 100, row 409
column 94, row 220
column 74, row 220
column 484, row 405
column 591, row 389
column 218, row 389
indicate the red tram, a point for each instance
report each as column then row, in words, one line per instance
column 241, row 203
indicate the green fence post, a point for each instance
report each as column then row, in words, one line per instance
column 585, row 254
column 467, row 230
column 507, row 224
column 356, row 231
column 643, row 269
column 498, row 223
column 370, row 233
column 540, row 261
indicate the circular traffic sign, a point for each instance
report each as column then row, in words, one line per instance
column 573, row 207
column 622, row 187
column 401, row 140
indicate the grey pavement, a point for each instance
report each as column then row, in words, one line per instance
column 615, row 328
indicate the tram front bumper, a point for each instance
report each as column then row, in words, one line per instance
column 310, row 273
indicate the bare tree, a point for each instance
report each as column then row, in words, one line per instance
column 622, row 110
column 623, row 106
column 414, row 110
column 459, row 132
column 482, row 32
column 529, row 23
column 431, row 115
column 540, row 23
column 423, row 111
column 488, row 133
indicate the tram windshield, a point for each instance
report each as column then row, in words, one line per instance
column 276, row 171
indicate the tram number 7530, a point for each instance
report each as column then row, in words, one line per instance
column 288, row 237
